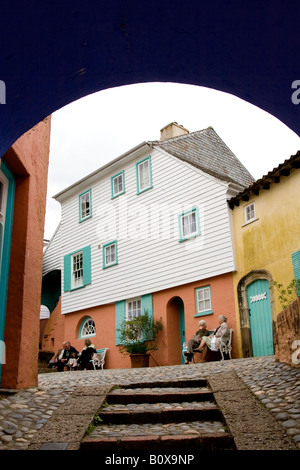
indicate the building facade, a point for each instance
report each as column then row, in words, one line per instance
column 151, row 231
column 266, row 220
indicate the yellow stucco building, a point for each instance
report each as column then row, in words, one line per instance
column 266, row 225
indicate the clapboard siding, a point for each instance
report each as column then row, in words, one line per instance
column 52, row 254
column 148, row 263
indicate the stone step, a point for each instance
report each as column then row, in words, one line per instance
column 159, row 416
column 180, row 383
column 164, row 415
column 172, row 437
column 159, row 406
column 162, row 395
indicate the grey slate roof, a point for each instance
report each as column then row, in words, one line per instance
column 206, row 150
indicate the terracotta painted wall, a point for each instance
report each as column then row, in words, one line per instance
column 54, row 331
column 169, row 351
column 28, row 160
column 222, row 303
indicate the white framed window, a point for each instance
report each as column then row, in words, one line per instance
column 85, row 207
column 250, row 213
column 189, row 225
column 87, row 328
column 144, row 175
column 118, row 184
column 134, row 308
column 77, row 270
column 110, row 254
column 203, row 301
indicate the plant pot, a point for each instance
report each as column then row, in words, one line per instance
column 139, row 360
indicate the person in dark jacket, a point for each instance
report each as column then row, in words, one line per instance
column 84, row 360
column 64, row 355
column 195, row 341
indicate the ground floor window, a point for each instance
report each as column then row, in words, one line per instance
column 203, row 300
column 134, row 308
column 87, row 328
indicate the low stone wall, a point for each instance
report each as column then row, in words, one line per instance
column 287, row 341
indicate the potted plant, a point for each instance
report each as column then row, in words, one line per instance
column 138, row 336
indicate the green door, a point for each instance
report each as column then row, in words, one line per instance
column 7, row 195
column 259, row 304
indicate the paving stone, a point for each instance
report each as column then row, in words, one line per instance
column 275, row 385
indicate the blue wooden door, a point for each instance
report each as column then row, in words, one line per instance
column 259, row 304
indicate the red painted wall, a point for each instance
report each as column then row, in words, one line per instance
column 28, row 160
column 169, row 351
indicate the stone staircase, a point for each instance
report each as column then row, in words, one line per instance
column 178, row 417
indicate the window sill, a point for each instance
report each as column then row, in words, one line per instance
column 202, row 314
column 87, row 336
column 250, row 221
column 110, row 265
column 189, row 238
column 77, row 288
column 141, row 191
column 86, row 218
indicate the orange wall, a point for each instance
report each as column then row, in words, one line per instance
column 222, row 302
column 28, row 160
column 169, row 351
column 54, row 331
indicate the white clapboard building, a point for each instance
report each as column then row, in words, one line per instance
column 150, row 230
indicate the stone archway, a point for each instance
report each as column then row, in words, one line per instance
column 244, row 314
column 239, row 48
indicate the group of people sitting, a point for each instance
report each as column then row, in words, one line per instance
column 202, row 337
column 69, row 357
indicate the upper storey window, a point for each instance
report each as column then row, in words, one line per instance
column 117, row 184
column 189, row 225
column 144, row 175
column 85, row 206
column 250, row 213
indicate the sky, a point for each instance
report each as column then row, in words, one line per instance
column 94, row 130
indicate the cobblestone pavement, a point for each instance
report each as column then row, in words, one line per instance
column 276, row 386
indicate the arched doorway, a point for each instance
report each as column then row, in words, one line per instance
column 175, row 330
column 256, row 311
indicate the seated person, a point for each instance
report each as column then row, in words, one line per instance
column 72, row 363
column 86, row 355
column 63, row 355
column 213, row 341
column 195, row 341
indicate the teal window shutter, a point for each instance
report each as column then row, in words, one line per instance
column 120, row 316
column 87, row 272
column 147, row 305
column 67, row 273
column 296, row 266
